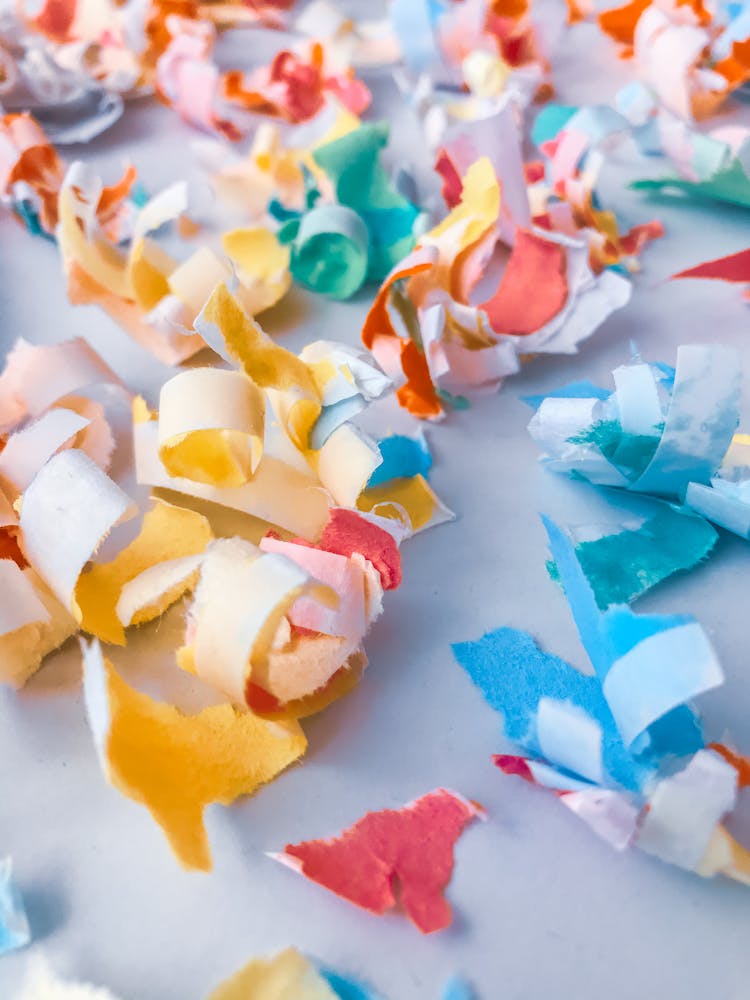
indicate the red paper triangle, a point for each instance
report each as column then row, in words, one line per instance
column 735, row 267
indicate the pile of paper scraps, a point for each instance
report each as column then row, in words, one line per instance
column 495, row 249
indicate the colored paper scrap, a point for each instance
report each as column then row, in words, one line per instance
column 681, row 57
column 517, row 679
column 14, row 925
column 726, row 499
column 279, row 493
column 297, row 84
column 458, row 989
column 734, row 268
column 176, row 765
column 711, row 165
column 410, row 500
column 347, row 988
column 353, row 166
column 659, row 431
column 619, row 723
column 286, row 976
column 33, row 623
column 211, row 426
column 622, row 565
column 688, row 807
column 330, row 252
column 649, row 666
column 403, row 458
column 66, row 512
column 446, row 342
column 245, row 646
column 412, row 846
column 145, row 577
column 37, row 377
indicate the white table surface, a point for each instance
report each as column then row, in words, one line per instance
column 541, row 907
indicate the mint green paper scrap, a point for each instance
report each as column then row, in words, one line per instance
column 330, row 251
column 625, row 564
column 361, row 183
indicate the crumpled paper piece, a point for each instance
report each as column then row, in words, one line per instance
column 311, row 448
column 14, row 925
column 154, row 297
column 32, row 175
column 211, row 426
column 575, row 144
column 412, row 845
column 680, row 54
column 453, row 344
column 359, row 226
column 486, row 46
column 296, row 85
column 175, row 764
column 188, row 79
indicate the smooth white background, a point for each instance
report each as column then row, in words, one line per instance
column 542, row 908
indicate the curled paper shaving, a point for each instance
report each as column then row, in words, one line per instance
column 147, row 750
column 412, row 846
column 241, row 601
column 659, row 431
column 66, row 512
column 33, row 623
column 211, row 426
column 146, row 576
column 37, row 377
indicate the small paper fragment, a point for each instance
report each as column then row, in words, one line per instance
column 286, row 976
column 33, row 623
column 175, row 764
column 14, row 925
column 68, row 509
column 413, row 845
column 211, row 426
column 168, row 533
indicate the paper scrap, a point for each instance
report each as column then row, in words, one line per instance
column 625, row 564
column 14, row 925
column 659, row 431
column 286, row 976
column 143, row 573
column 413, row 845
column 175, row 764
column 33, row 623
